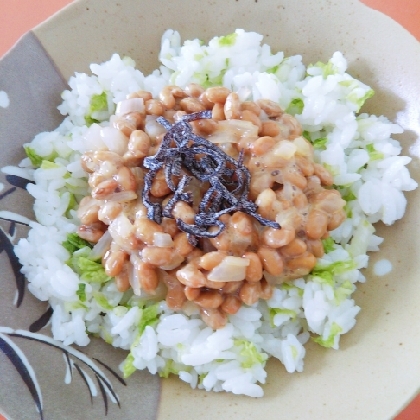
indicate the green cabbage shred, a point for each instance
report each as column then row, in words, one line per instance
column 290, row 286
column 228, row 40
column 89, row 121
column 74, row 242
column 98, row 103
column 46, row 164
column 325, row 274
column 373, row 153
column 348, row 196
column 37, row 160
column 272, row 70
column 282, row 311
column 170, row 367
column 201, row 377
column 90, row 270
column 102, row 300
column 354, row 95
column 128, row 367
column 307, row 135
column 249, row 355
column 81, row 292
column 329, row 342
column 328, row 244
column 106, row 336
column 71, row 206
column 361, row 236
column 295, row 106
column 320, row 143
column 72, row 306
column 327, row 69
column 149, row 317
column 344, row 291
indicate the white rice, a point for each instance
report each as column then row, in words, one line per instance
column 4, row 99
column 382, row 267
column 356, row 148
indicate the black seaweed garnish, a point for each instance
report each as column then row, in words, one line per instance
column 183, row 153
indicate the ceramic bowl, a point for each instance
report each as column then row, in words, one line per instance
column 376, row 371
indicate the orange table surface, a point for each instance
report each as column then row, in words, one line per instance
column 19, row 16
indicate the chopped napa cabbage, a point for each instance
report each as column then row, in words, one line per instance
column 249, row 355
column 327, row 69
column 272, row 70
column 373, row 153
column 218, row 80
column 89, row 270
column 348, row 195
column 170, row 367
column 72, row 205
column 358, row 92
column 295, row 106
column 338, row 267
column 291, row 286
column 72, row 306
column 329, row 341
column 344, row 291
column 120, row 311
column 36, row 159
column 360, row 100
column 326, row 273
column 201, row 377
column 281, row 311
column 46, row 164
column 128, row 367
column 361, row 238
column 320, row 143
column 74, row 242
column 102, row 301
column 349, row 211
column 81, row 292
column 331, row 169
column 228, row 40
column 149, row 316
column 107, row 337
column 328, row 244
column 307, row 135
column 205, row 80
column 98, row 103
column 89, row 121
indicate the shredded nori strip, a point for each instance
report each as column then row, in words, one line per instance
column 229, row 179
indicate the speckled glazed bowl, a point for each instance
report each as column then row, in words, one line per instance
column 377, row 370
